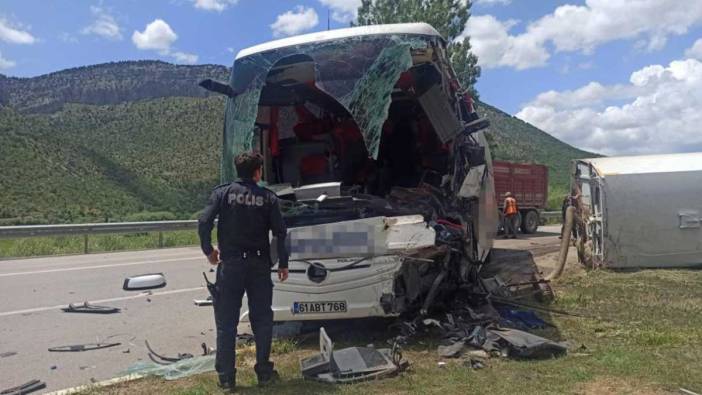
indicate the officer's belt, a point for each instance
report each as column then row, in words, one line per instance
column 247, row 252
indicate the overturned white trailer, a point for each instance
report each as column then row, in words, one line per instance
column 642, row 211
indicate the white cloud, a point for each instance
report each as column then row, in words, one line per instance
column 6, row 63
column 695, row 51
column 342, row 11
column 657, row 111
column 214, row 5
column 158, row 36
column 295, row 21
column 104, row 25
column 494, row 45
column 12, row 35
column 581, row 28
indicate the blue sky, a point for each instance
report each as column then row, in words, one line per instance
column 591, row 72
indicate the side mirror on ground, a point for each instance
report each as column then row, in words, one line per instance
column 144, row 281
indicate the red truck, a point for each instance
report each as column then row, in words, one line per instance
column 528, row 184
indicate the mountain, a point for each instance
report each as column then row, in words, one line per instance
column 140, row 140
column 108, row 83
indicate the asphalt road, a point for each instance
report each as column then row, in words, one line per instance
column 32, row 291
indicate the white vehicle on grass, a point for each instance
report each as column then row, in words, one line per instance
column 379, row 159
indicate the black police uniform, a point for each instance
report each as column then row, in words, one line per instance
column 246, row 214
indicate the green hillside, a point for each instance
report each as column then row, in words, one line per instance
column 140, row 140
column 514, row 140
column 87, row 163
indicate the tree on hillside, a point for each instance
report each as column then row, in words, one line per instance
column 448, row 17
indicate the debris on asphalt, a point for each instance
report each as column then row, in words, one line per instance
column 203, row 302
column 144, row 281
column 8, row 354
column 86, row 307
column 83, row 347
column 206, row 350
column 163, row 360
column 26, row 388
column 351, row 365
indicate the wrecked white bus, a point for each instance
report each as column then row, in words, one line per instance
column 379, row 159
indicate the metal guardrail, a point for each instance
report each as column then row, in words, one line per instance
column 21, row 231
column 550, row 214
column 14, row 232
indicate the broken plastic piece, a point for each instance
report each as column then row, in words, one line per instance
column 144, row 281
column 86, row 307
column 26, row 388
column 83, row 347
column 203, row 302
column 161, row 360
column 350, row 365
column 522, row 344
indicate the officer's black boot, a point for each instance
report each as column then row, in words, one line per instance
column 266, row 374
column 228, row 383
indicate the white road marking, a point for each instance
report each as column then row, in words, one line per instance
column 70, row 269
column 120, row 298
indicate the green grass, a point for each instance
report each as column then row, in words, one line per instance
column 63, row 245
column 647, row 339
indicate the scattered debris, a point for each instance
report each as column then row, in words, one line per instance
column 83, row 347
column 176, row 370
column 86, row 307
column 8, row 354
column 352, row 364
column 520, row 319
column 26, row 388
column 127, row 351
column 162, row 360
column 520, row 344
column 53, row 367
column 206, row 350
column 144, row 281
column 203, row 302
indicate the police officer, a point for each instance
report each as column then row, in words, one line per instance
column 246, row 214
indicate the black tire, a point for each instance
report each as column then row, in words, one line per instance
column 531, row 222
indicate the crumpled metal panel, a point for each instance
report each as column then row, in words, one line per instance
column 359, row 72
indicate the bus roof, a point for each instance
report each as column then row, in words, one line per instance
column 423, row 29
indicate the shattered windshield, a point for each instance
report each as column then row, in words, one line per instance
column 359, row 72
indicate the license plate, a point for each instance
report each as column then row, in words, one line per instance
column 318, row 307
